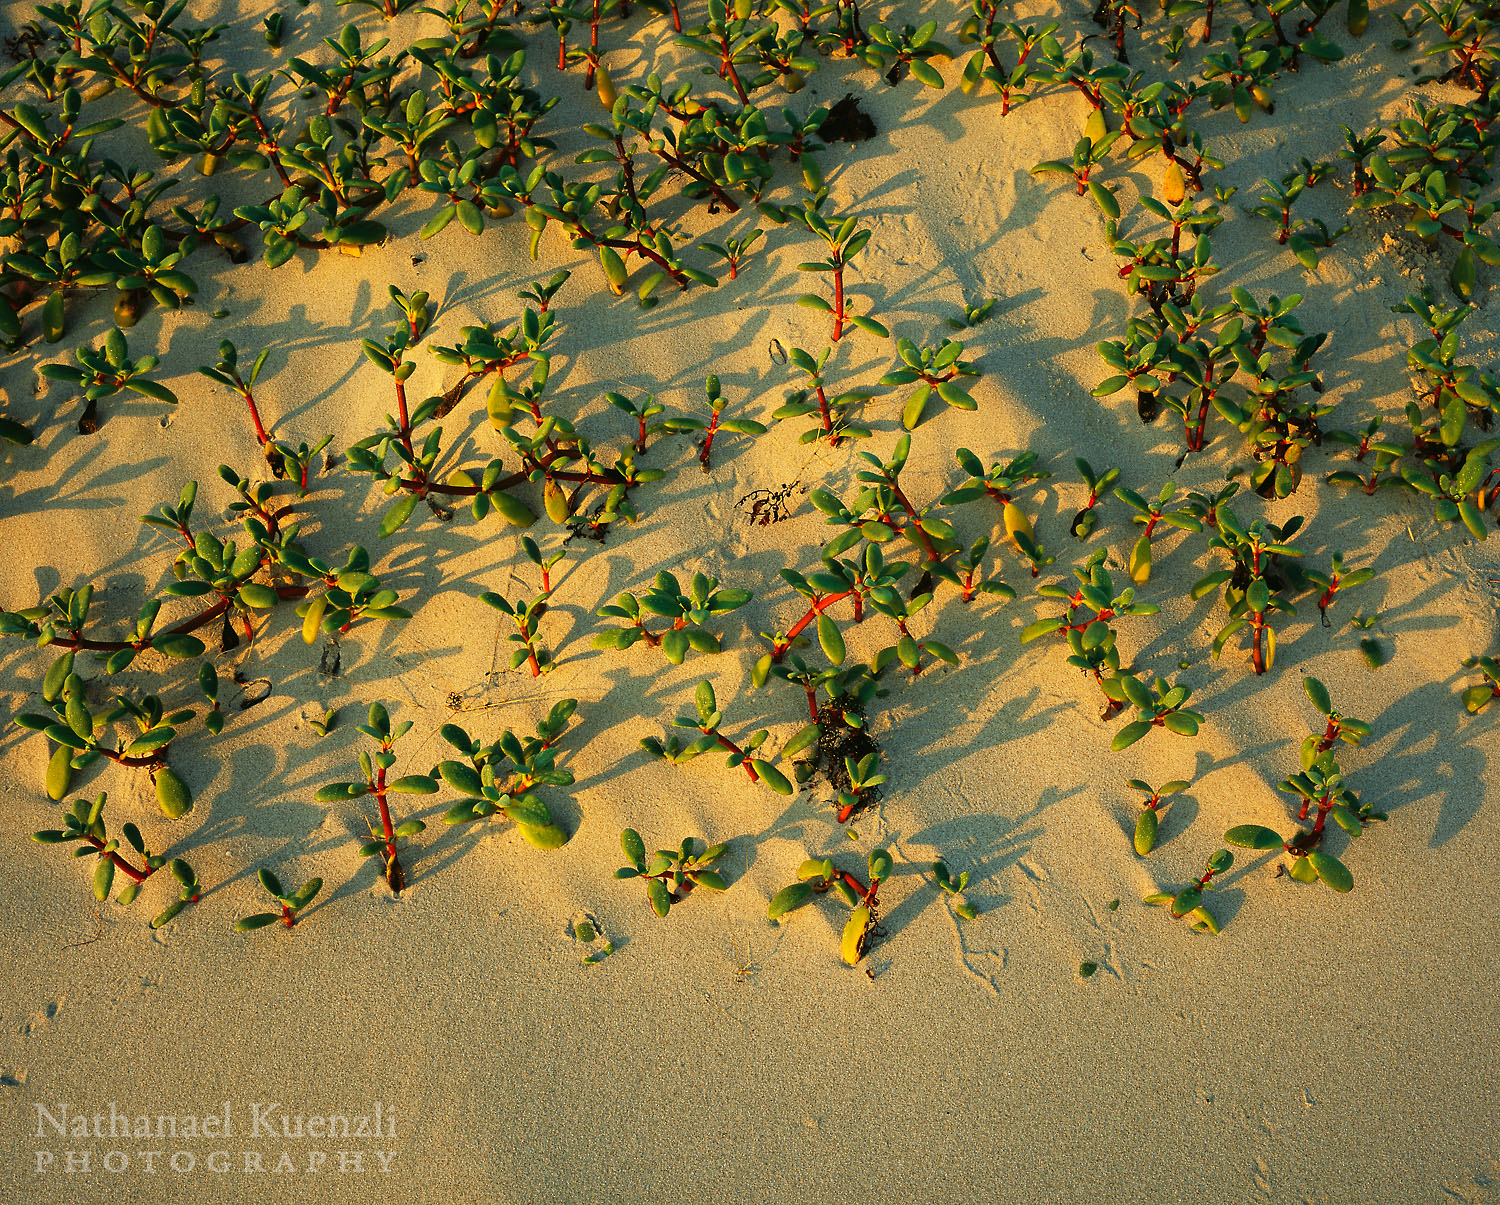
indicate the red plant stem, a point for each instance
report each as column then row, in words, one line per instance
column 133, row 83
column 708, row 440
column 152, row 759
column 393, row 866
column 1330, row 734
column 838, row 297
column 269, row 148
column 124, row 867
column 819, row 605
column 405, row 418
column 188, row 625
column 812, row 703
column 922, row 537
column 336, row 97
column 1195, row 441
column 385, row 812
column 1325, row 805
column 1325, row 600
column 288, row 917
column 593, row 59
column 733, row 748
column 640, row 249
column 627, row 166
column 823, row 408
column 866, row 894
column 730, row 73
column 424, row 488
column 1257, row 652
column 260, row 431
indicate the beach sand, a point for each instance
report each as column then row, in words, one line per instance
column 1322, row 1048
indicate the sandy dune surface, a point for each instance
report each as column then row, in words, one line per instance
column 1322, row 1048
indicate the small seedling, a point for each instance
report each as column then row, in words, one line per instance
column 844, row 240
column 189, row 891
column 1477, row 698
column 1306, row 864
column 817, row 876
column 500, row 779
column 1083, row 522
column 734, row 251
column 527, row 616
column 833, row 413
column 1148, row 515
column 1333, row 581
column 715, row 423
column 81, row 735
column 671, row 873
column 227, row 373
column 1160, row 704
column 1189, row 901
column 84, row 823
column 103, row 372
column 863, row 779
column 973, row 315
column 1155, row 799
column 587, row 932
column 688, row 611
column 388, row 838
column 707, row 722
column 931, row 370
column 1339, row 727
column 1088, row 154
column 907, row 650
column 641, row 413
column 954, row 888
column 965, row 573
column 292, row 903
column 1320, row 785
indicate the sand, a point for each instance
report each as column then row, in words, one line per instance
column 1322, row 1048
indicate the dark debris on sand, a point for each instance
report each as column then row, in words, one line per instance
column 847, row 122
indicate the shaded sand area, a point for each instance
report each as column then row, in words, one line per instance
column 1322, row 1048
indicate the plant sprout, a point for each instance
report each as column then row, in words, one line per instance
column 671, row 874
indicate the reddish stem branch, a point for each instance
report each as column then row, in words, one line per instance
column 733, row 748
column 819, row 605
column 124, row 867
